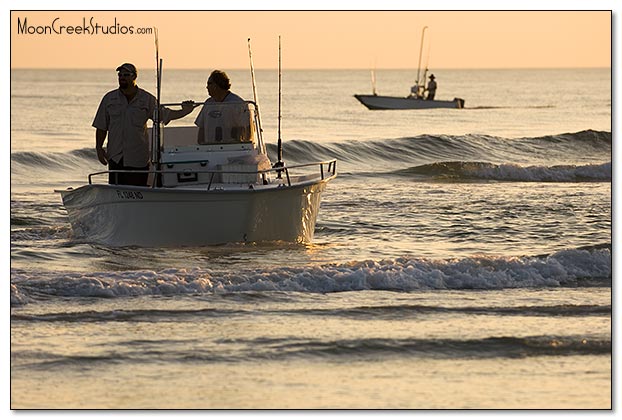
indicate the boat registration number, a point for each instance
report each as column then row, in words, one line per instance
column 130, row 195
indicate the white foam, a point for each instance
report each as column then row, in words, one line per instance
column 401, row 274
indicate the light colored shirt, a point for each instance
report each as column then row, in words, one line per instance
column 231, row 97
column 126, row 124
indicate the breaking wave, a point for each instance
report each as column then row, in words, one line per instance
column 513, row 172
column 583, row 267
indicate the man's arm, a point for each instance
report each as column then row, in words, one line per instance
column 173, row 114
column 100, row 136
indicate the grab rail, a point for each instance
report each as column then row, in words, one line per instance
column 331, row 170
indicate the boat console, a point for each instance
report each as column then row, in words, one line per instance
column 230, row 147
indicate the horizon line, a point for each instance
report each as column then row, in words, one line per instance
column 324, row 69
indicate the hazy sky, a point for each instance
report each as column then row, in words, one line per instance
column 310, row 39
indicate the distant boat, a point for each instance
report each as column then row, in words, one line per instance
column 415, row 100
column 396, row 102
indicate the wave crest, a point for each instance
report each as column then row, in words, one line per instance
column 578, row 267
column 512, row 172
column 583, row 146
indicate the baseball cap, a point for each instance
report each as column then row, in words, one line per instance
column 129, row 67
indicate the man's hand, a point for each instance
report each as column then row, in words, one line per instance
column 101, row 155
column 187, row 106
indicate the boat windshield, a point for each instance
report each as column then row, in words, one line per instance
column 228, row 122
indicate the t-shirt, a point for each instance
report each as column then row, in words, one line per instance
column 231, row 97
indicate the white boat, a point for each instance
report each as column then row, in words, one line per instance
column 415, row 99
column 219, row 189
column 409, row 102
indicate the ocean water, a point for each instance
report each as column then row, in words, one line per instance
column 462, row 258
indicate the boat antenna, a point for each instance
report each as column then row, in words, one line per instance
column 280, row 143
column 420, row 51
column 254, row 83
column 155, row 147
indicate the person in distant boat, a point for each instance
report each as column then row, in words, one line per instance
column 219, row 89
column 122, row 116
column 431, row 88
column 415, row 92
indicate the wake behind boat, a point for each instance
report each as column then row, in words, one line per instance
column 416, row 99
column 216, row 189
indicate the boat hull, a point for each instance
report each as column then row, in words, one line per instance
column 126, row 215
column 395, row 102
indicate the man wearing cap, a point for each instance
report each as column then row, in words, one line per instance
column 431, row 88
column 122, row 116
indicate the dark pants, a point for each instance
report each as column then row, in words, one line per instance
column 126, row 178
column 431, row 96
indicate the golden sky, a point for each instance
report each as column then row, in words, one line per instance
column 313, row 39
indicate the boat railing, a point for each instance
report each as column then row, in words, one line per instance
column 327, row 170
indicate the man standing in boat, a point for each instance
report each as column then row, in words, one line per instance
column 218, row 87
column 122, row 116
column 431, row 88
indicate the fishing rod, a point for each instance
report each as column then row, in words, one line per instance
column 427, row 62
column 254, row 83
column 279, row 142
column 155, row 147
column 373, row 80
column 420, row 52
